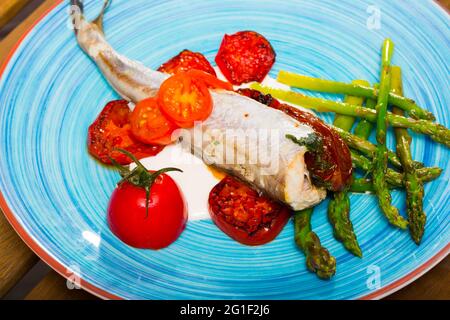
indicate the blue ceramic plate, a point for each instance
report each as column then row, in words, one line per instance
column 55, row 195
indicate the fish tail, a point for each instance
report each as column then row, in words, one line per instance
column 78, row 3
column 99, row 20
column 77, row 14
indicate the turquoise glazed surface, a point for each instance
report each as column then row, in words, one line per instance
column 50, row 92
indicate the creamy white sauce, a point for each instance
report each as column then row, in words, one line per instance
column 268, row 81
column 195, row 182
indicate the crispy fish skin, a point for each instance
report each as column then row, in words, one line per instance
column 279, row 170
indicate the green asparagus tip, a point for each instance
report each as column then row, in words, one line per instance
column 318, row 259
column 417, row 238
column 388, row 50
column 354, row 249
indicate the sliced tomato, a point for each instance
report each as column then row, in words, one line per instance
column 187, row 60
column 149, row 125
column 331, row 166
column 245, row 56
column 210, row 81
column 185, row 100
column 244, row 215
column 112, row 130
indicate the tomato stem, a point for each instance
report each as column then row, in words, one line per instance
column 140, row 176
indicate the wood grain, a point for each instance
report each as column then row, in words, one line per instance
column 11, row 39
column 9, row 9
column 15, row 257
column 54, row 287
column 434, row 285
column 445, row 4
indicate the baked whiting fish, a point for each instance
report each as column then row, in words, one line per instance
column 279, row 169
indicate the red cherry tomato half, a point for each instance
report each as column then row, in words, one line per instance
column 245, row 56
column 244, row 215
column 185, row 100
column 187, row 60
column 165, row 221
column 112, row 130
column 210, row 81
column 149, row 125
column 332, row 166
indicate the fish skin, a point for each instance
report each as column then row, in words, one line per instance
column 282, row 175
column 131, row 79
column 278, row 169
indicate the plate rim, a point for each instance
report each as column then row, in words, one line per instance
column 103, row 294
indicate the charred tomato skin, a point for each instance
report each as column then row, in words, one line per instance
column 245, row 56
column 244, row 215
column 332, row 166
column 187, row 60
column 166, row 219
column 112, row 130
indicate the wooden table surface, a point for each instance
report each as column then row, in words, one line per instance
column 17, row 259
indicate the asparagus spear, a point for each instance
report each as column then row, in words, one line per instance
column 339, row 205
column 339, row 216
column 414, row 186
column 395, row 179
column 361, row 162
column 346, row 122
column 368, row 149
column 437, row 132
column 364, row 185
column 318, row 259
column 365, row 147
column 309, row 83
column 380, row 158
column 392, row 177
column 364, row 128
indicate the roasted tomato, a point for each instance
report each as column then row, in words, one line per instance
column 149, row 125
column 210, row 81
column 112, row 130
column 245, row 56
column 187, row 60
column 244, row 215
column 152, row 224
column 330, row 167
column 185, row 100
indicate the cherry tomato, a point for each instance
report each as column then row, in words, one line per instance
column 185, row 100
column 149, row 125
column 112, row 130
column 165, row 220
column 244, row 215
column 245, row 56
column 210, row 81
column 187, row 60
column 332, row 166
